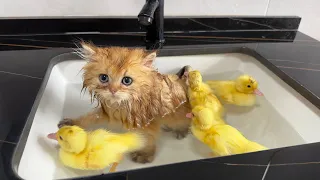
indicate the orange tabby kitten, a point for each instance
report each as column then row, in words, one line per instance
column 130, row 91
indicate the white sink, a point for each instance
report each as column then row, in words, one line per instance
column 282, row 117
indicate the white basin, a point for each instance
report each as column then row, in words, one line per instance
column 282, row 117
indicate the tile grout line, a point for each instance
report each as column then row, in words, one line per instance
column 269, row 164
column 267, row 8
column 266, row 171
column 17, row 74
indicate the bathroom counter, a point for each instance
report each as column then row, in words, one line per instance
column 24, row 60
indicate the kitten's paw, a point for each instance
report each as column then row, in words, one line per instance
column 143, row 156
column 181, row 133
column 183, row 71
column 65, row 122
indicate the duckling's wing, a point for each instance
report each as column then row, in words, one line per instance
column 102, row 140
column 103, row 149
column 234, row 138
column 217, row 144
column 228, row 98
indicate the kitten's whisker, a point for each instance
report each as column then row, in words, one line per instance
column 79, row 52
column 78, row 40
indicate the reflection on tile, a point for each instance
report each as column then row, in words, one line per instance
column 287, row 51
column 137, row 39
column 298, row 154
column 198, row 170
column 235, row 23
column 234, row 36
column 293, row 62
column 301, row 37
column 17, row 94
column 202, row 23
column 256, row 158
column 296, row 172
column 307, row 78
column 31, row 63
column 94, row 25
column 298, row 68
column 296, row 64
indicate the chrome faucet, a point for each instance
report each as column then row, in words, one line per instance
column 151, row 17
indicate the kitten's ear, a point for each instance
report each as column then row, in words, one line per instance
column 149, row 58
column 88, row 49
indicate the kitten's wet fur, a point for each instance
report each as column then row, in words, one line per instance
column 152, row 99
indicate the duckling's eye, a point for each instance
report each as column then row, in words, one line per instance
column 60, row 138
column 104, row 78
column 249, row 86
column 127, row 80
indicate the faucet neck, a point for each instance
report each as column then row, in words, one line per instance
column 152, row 17
column 155, row 36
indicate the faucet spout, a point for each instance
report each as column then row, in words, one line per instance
column 146, row 14
column 151, row 17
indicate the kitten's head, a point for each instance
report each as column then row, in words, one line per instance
column 117, row 74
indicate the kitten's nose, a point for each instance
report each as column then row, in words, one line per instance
column 112, row 90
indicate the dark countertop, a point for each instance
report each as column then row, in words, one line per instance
column 21, row 73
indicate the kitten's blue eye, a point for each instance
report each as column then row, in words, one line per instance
column 127, row 81
column 104, row 78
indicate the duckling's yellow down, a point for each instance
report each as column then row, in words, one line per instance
column 241, row 92
column 207, row 124
column 203, row 100
column 225, row 140
column 94, row 150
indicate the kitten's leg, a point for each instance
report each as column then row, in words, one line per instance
column 178, row 123
column 93, row 117
column 147, row 154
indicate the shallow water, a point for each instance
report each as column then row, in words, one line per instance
column 263, row 123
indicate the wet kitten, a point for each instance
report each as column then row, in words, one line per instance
column 130, row 91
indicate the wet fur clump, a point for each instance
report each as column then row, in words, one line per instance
column 132, row 92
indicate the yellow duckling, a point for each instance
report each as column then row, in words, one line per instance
column 94, row 150
column 200, row 94
column 241, row 92
column 222, row 139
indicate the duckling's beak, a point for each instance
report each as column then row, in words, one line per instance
column 257, row 92
column 52, row 136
